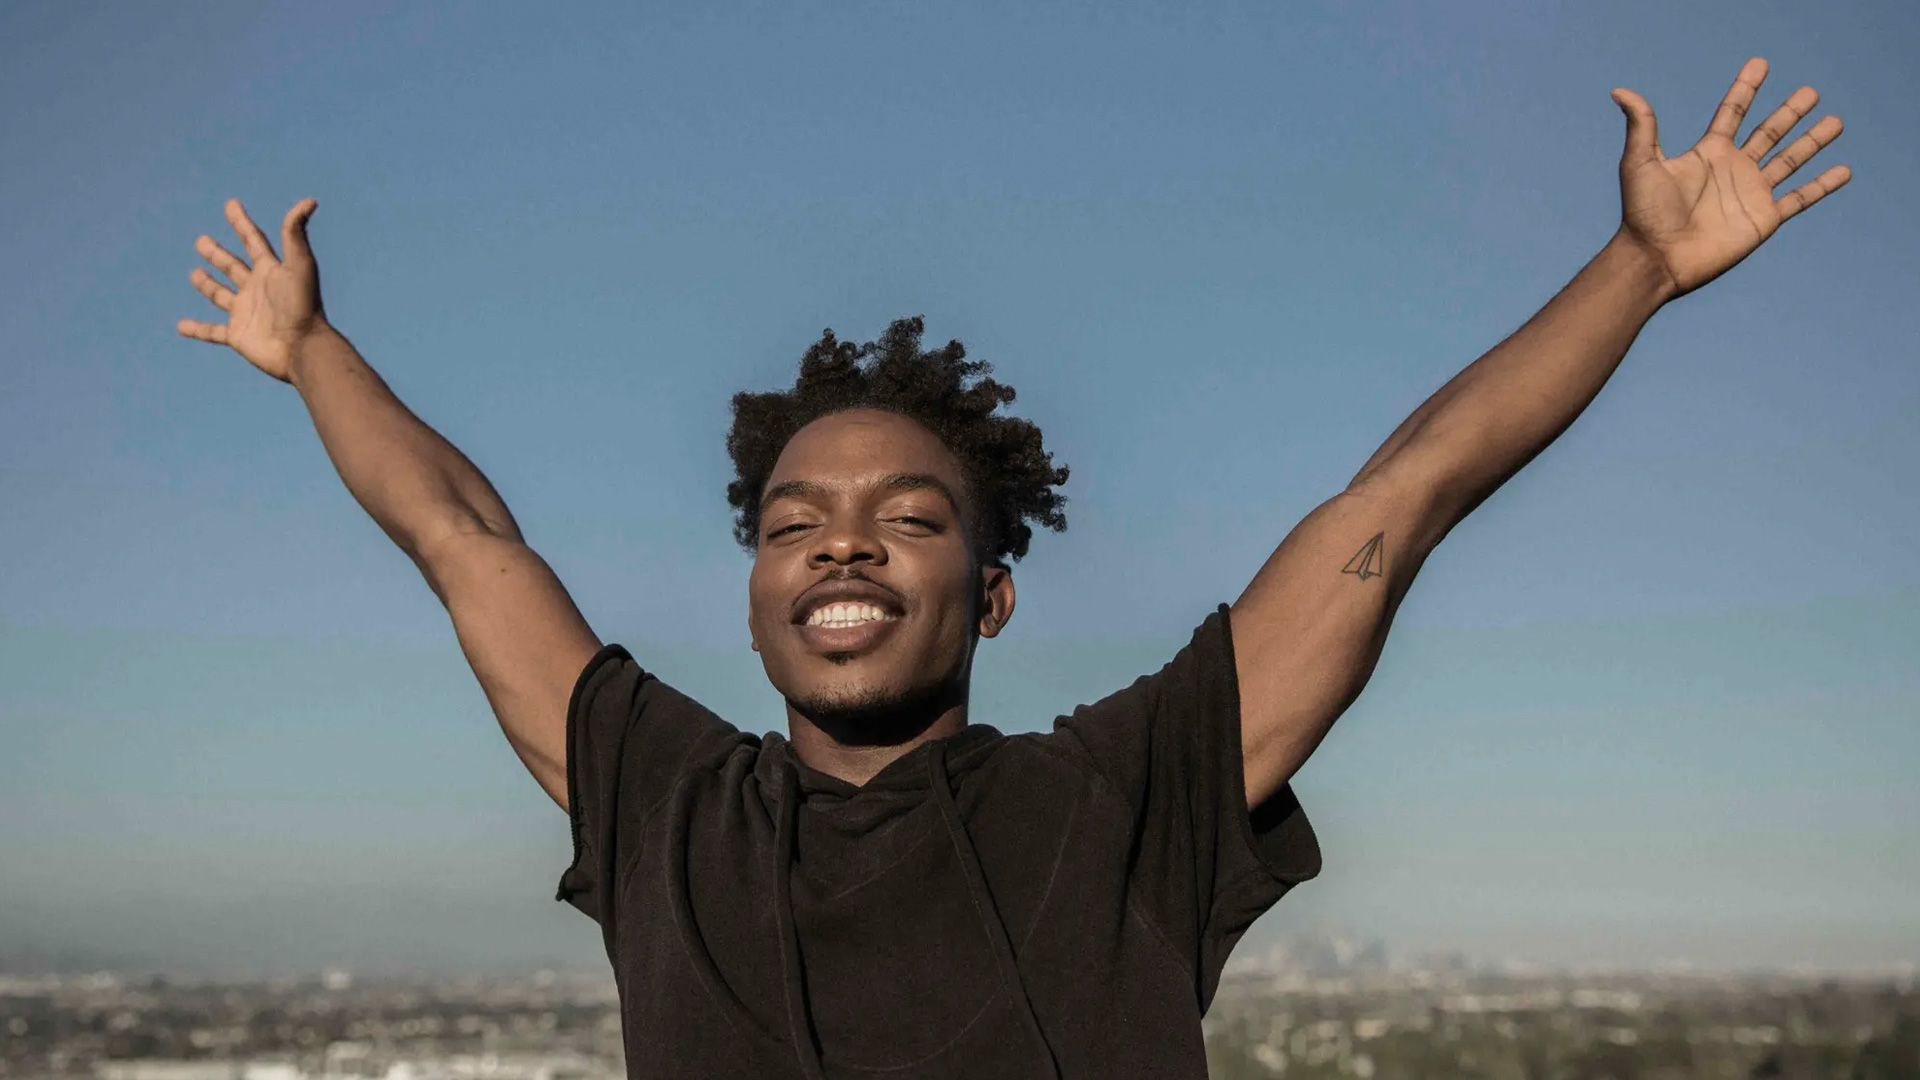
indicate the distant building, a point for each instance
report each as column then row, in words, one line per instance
column 169, row 1069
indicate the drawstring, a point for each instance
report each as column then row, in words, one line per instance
column 798, row 1022
column 789, row 810
column 983, row 904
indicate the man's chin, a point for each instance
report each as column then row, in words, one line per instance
column 868, row 713
column 850, row 703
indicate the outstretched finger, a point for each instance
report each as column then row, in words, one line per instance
column 250, row 234
column 1733, row 107
column 1643, row 130
column 1812, row 191
column 293, row 230
column 223, row 260
column 202, row 331
column 210, row 288
column 1775, row 127
column 1785, row 162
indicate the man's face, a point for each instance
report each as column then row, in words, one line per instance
column 857, row 496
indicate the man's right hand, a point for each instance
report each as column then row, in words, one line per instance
column 276, row 302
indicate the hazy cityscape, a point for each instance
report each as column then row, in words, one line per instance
column 1311, row 1006
column 1324, row 1007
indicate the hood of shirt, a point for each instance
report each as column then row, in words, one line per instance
column 926, row 774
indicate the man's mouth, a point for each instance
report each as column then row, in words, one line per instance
column 844, row 613
column 847, row 627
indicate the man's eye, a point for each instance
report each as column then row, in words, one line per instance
column 802, row 525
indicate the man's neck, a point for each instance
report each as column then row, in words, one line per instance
column 856, row 759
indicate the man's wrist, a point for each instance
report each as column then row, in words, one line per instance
column 320, row 338
column 1629, row 255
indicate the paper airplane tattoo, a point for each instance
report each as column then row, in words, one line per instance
column 1366, row 561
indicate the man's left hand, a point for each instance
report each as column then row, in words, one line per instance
column 1700, row 213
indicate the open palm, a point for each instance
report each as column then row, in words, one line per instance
column 1707, row 209
column 273, row 303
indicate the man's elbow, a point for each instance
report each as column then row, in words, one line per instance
column 1420, row 501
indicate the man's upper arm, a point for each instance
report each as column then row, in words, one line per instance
column 1309, row 629
column 523, row 636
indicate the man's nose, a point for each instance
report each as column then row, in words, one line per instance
column 847, row 542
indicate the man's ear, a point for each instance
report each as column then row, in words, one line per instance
column 996, row 599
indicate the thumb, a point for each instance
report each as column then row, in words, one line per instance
column 1643, row 133
column 293, row 231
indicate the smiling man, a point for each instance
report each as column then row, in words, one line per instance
column 891, row 889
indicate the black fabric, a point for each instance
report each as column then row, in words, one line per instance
column 1032, row 905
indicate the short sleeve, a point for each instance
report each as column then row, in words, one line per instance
column 629, row 739
column 1203, row 867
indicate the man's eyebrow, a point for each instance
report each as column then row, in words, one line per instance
column 813, row 489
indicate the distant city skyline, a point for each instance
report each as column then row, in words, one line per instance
column 550, row 1027
column 1291, row 952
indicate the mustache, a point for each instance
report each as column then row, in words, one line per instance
column 854, row 575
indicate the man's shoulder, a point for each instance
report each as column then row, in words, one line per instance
column 1050, row 759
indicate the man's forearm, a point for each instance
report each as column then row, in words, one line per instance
column 412, row 481
column 1493, row 417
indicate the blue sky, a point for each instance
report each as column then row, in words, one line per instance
column 1655, row 701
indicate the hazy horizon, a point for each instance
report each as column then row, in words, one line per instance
column 1655, row 701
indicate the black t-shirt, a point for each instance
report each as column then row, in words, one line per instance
column 987, row 905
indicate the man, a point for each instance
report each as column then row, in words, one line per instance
column 890, row 889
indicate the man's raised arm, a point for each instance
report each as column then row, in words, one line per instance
column 1310, row 627
column 521, row 632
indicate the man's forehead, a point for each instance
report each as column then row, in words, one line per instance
column 827, row 486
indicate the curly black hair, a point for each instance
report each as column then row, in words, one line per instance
column 1008, row 472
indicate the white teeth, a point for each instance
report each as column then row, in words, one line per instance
column 846, row 613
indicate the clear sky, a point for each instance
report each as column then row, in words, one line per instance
column 1656, row 700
